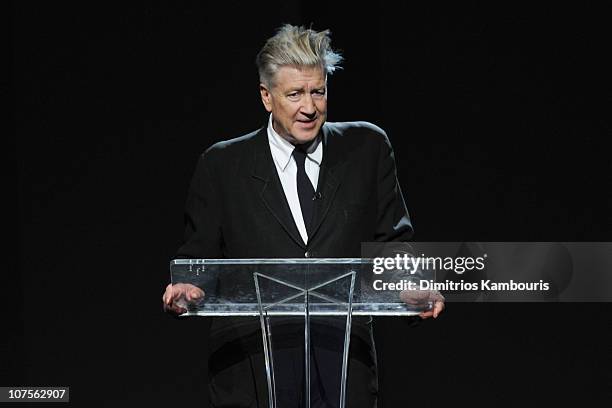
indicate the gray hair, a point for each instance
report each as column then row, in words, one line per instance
column 298, row 47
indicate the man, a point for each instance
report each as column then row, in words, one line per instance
column 297, row 187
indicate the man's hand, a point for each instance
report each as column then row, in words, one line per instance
column 422, row 297
column 436, row 309
column 176, row 297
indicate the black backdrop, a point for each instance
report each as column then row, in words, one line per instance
column 499, row 116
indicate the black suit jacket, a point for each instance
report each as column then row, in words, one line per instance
column 236, row 208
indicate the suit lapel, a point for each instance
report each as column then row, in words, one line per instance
column 271, row 191
column 331, row 174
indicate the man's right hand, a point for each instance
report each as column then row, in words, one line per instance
column 177, row 296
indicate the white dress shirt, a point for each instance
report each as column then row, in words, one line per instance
column 282, row 153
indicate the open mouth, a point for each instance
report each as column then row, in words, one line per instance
column 307, row 123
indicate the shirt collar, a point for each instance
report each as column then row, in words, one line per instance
column 282, row 149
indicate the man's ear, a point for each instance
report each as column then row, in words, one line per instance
column 266, row 97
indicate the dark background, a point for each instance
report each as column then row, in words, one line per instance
column 500, row 120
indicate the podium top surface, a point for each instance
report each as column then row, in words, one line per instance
column 264, row 261
column 291, row 287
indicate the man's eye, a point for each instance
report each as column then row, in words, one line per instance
column 320, row 92
column 293, row 95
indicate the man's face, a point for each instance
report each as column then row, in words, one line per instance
column 298, row 102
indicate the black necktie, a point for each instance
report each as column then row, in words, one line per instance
column 305, row 189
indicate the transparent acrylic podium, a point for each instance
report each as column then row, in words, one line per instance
column 333, row 290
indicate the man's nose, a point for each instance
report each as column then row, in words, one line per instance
column 308, row 107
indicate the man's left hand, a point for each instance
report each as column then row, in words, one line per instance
column 436, row 309
column 420, row 297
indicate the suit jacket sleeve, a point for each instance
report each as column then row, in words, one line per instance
column 393, row 221
column 202, row 237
